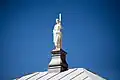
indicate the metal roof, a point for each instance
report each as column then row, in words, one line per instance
column 70, row 74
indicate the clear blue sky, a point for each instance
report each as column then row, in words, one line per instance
column 91, row 35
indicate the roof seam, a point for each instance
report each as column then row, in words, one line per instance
column 53, row 76
column 85, row 78
column 67, row 74
column 77, row 75
column 32, row 76
column 42, row 76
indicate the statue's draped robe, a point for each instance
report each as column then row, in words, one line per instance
column 57, row 35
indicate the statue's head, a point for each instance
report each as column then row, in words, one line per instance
column 57, row 21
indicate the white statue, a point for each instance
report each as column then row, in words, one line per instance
column 57, row 34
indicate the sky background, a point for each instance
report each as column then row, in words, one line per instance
column 91, row 36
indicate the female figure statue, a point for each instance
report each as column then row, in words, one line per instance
column 57, row 34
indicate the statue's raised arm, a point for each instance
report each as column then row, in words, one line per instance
column 60, row 17
column 57, row 34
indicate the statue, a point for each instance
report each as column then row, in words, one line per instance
column 57, row 34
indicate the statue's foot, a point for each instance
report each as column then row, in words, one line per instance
column 56, row 49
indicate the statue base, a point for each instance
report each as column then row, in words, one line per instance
column 58, row 62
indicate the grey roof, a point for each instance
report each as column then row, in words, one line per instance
column 70, row 74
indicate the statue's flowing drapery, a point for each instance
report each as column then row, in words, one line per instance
column 57, row 36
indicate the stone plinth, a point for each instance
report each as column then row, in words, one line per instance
column 58, row 61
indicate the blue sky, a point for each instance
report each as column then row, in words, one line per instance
column 91, row 35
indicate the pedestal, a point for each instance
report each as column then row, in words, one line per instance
column 58, row 61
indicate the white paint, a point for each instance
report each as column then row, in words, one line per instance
column 86, row 75
column 57, row 34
